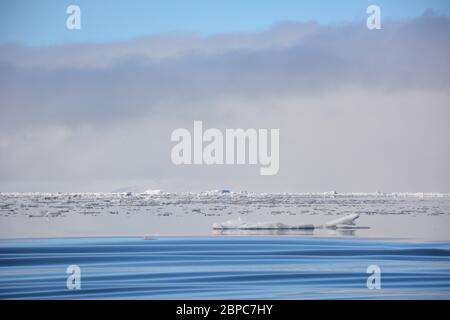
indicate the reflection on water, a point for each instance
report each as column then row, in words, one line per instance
column 341, row 232
column 262, row 232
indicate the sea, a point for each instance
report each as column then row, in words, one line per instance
column 162, row 246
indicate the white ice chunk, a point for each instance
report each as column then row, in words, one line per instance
column 347, row 220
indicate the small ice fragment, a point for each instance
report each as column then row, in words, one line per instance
column 347, row 220
column 152, row 192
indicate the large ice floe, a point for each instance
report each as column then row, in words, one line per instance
column 239, row 224
column 346, row 222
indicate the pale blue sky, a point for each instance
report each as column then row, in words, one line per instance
column 42, row 23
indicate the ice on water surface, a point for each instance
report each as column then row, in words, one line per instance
column 153, row 212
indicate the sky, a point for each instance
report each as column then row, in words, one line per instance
column 42, row 23
column 93, row 109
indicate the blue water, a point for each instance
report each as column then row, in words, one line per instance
column 223, row 268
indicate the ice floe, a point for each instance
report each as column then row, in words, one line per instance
column 344, row 222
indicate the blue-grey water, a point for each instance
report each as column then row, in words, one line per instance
column 223, row 267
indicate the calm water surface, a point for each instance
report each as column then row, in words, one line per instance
column 223, row 267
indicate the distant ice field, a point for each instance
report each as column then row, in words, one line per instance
column 403, row 216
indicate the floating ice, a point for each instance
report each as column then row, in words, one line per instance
column 348, row 220
column 152, row 192
column 237, row 224
column 241, row 225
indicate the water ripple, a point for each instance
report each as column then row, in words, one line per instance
column 222, row 268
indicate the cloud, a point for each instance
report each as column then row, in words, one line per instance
column 357, row 109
